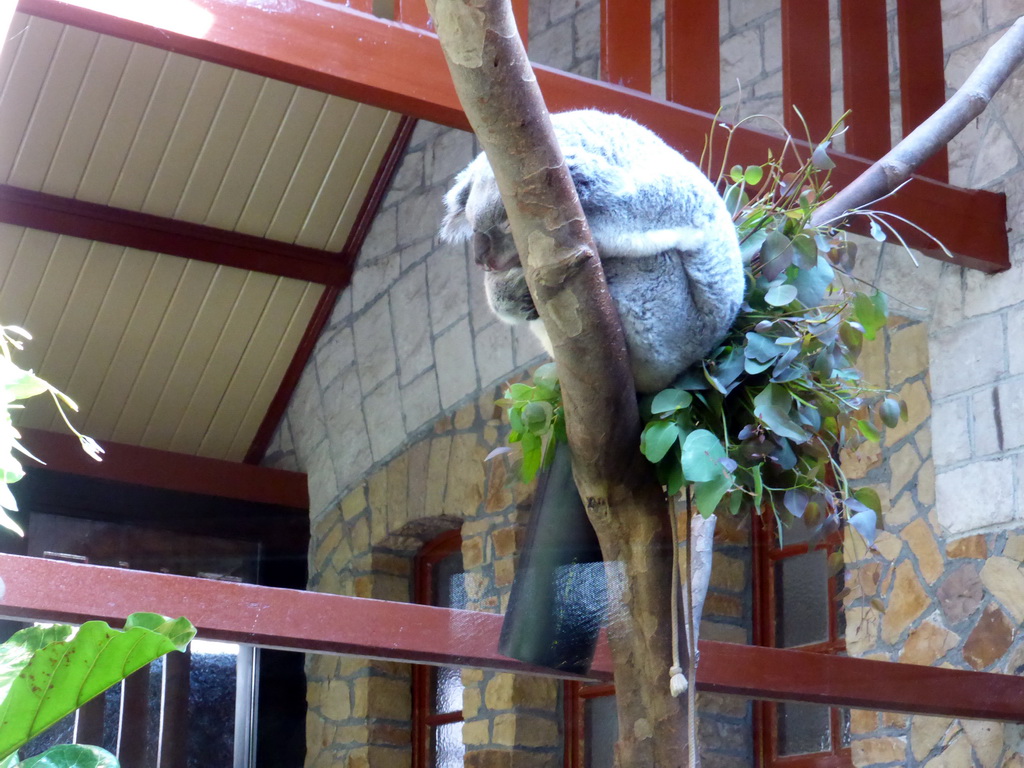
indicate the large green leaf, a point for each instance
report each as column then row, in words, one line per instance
column 60, row 676
column 72, row 756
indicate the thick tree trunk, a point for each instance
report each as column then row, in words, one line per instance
column 624, row 500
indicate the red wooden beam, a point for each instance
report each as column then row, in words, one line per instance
column 147, row 232
column 53, row 590
column 922, row 71
column 170, row 471
column 865, row 33
column 385, row 64
column 626, row 43
column 692, row 68
column 806, row 68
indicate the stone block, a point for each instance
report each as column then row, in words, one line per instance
column 969, row 546
column 456, row 369
column 728, row 573
column 906, row 603
column 375, row 347
column 903, row 467
column 975, row 496
column 465, row 485
column 450, row 153
column 376, row 269
column 922, row 543
column 926, row 732
column 553, row 46
column 960, row 594
column 419, row 215
column 384, row 419
column 927, row 644
column 421, row 401
column 410, row 308
column 437, row 474
column 476, row 732
column 967, row 356
column 1015, row 321
column 409, row 174
column 323, row 482
column 587, row 32
column 880, row 750
column 951, row 443
column 986, row 738
column 956, row 754
column 1004, row 579
column 494, row 353
column 741, row 59
column 335, row 353
column 336, row 703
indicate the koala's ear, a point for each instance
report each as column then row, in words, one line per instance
column 455, row 226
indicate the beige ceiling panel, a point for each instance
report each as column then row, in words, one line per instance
column 52, row 108
column 15, row 34
column 260, row 130
column 63, row 269
column 101, row 411
column 280, row 161
column 85, row 121
column 197, row 285
column 121, row 124
column 27, row 267
column 30, row 63
column 197, row 348
column 274, row 373
column 159, row 120
column 233, row 337
column 190, row 131
column 336, row 194
column 220, row 144
column 111, row 323
column 367, row 172
column 307, row 178
column 267, row 355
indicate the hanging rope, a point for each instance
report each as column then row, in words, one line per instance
column 678, row 683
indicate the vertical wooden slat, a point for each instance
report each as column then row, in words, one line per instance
column 133, row 730
column 89, row 726
column 922, row 79
column 174, row 714
column 412, row 12
column 806, row 75
column 626, row 43
column 865, row 36
column 692, row 68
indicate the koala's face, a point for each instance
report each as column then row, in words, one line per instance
column 475, row 212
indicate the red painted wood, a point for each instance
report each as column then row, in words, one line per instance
column 174, row 713
column 89, row 723
column 806, row 68
column 922, row 74
column 692, row 68
column 414, row 13
column 132, row 229
column 170, row 471
column 243, row 613
column 626, row 43
column 133, row 728
column 865, row 35
column 389, row 65
column 322, row 313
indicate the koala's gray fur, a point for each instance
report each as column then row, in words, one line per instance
column 666, row 241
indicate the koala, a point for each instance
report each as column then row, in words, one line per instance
column 665, row 239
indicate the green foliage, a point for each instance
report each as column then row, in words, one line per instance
column 17, row 384
column 66, row 756
column 759, row 425
column 536, row 415
column 47, row 673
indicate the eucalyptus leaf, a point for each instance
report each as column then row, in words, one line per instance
column 820, row 158
column 781, row 295
column 889, row 411
column 864, row 523
column 658, row 437
column 776, row 254
column 702, row 455
column 753, row 174
column 707, row 495
column 772, row 406
column 670, row 400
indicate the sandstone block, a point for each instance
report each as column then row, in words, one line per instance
column 1003, row 578
column 907, row 601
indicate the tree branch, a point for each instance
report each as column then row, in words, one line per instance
column 624, row 501
column 901, row 161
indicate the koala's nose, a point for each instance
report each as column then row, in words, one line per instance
column 482, row 250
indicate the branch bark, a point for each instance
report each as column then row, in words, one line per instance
column 901, row 161
column 624, row 501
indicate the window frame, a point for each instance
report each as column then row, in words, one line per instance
column 424, row 721
column 766, row 555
